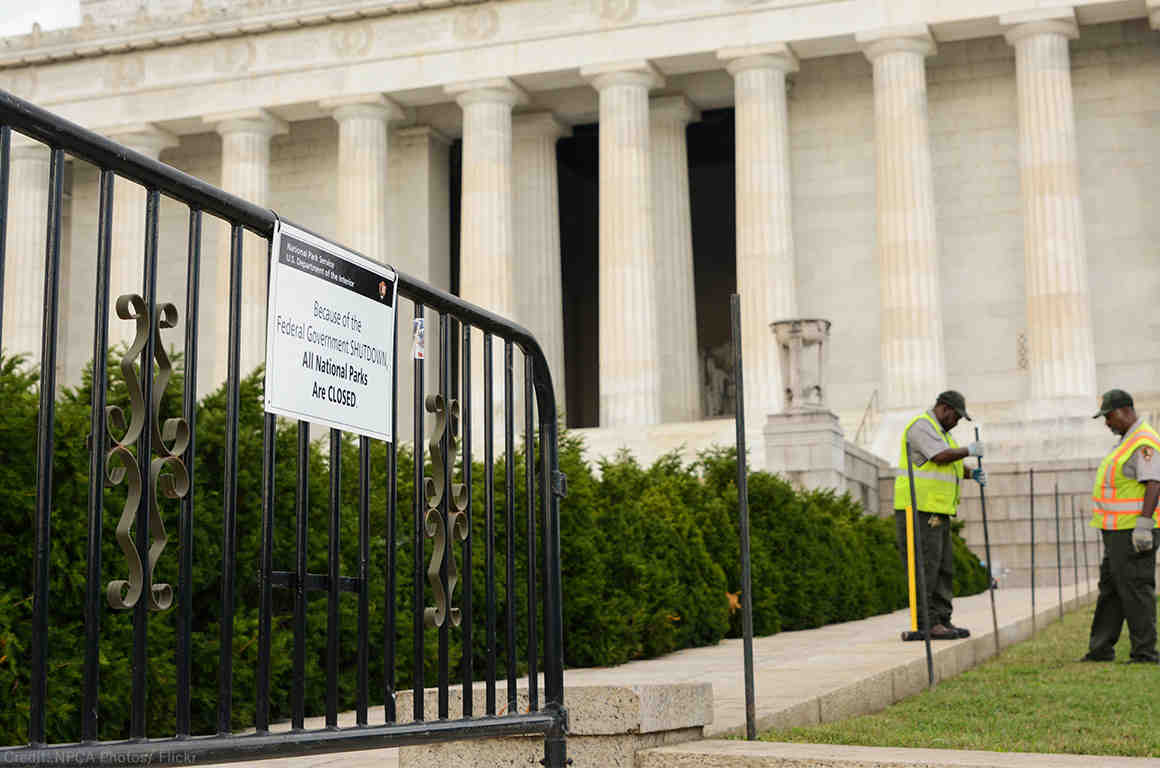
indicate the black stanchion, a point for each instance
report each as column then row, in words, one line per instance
column 743, row 508
column 1033, row 619
column 1074, row 552
column 987, row 553
column 1058, row 552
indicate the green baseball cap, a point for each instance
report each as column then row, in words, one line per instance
column 1113, row 399
column 955, row 401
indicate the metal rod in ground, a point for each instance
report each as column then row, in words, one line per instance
column 1058, row 552
column 1033, row 621
column 923, row 603
column 743, row 509
column 1087, row 571
column 987, row 554
column 1074, row 551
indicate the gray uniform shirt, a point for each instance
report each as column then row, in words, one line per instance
column 1144, row 464
column 926, row 440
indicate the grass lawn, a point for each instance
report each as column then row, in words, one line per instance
column 1035, row 697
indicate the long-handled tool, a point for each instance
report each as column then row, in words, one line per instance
column 913, row 556
column 987, row 553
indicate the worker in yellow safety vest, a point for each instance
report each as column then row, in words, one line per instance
column 938, row 464
column 1124, row 497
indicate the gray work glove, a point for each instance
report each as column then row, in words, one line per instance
column 975, row 449
column 1142, row 535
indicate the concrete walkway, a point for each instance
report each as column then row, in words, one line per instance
column 810, row 676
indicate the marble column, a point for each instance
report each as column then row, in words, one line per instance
column 126, row 263
column 766, row 274
column 673, row 227
column 245, row 173
column 630, row 375
column 1154, row 13
column 539, row 303
column 913, row 363
column 419, row 241
column 362, row 171
column 486, row 243
column 28, row 188
column 1059, row 325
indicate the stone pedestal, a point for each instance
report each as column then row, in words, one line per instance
column 608, row 725
column 809, row 450
column 630, row 380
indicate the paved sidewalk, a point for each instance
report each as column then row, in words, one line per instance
column 805, row 677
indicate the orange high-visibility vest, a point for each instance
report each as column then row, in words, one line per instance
column 1117, row 500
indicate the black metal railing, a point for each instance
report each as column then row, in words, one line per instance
column 172, row 447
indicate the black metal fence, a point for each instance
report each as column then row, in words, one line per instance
column 440, row 521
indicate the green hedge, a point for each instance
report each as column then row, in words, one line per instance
column 650, row 555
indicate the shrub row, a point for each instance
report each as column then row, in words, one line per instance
column 649, row 555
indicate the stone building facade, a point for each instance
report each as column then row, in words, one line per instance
column 966, row 190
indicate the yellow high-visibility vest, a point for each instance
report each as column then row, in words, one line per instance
column 935, row 485
column 1117, row 500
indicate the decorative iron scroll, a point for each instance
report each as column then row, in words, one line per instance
column 446, row 421
column 167, row 471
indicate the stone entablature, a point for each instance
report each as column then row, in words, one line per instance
column 115, row 26
column 276, row 56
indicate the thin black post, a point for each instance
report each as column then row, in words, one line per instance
column 137, row 723
column 987, row 553
column 444, row 698
column 743, row 510
column 389, row 712
column 5, row 172
column 1087, row 569
column 333, row 579
column 489, row 522
column 919, row 570
column 265, row 568
column 1034, row 621
column 418, row 575
column 1058, row 552
column 530, row 493
column 185, row 516
column 230, row 489
column 468, row 622
column 509, row 492
column 364, row 597
column 1074, row 551
column 93, row 607
column 44, row 454
column 301, row 528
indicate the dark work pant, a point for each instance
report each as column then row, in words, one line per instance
column 1127, row 592
column 938, row 562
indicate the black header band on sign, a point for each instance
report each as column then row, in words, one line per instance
column 336, row 270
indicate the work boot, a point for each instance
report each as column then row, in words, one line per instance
column 942, row 632
column 960, row 631
column 1089, row 657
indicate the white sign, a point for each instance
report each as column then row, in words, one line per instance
column 329, row 335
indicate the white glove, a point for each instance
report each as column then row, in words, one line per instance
column 975, row 449
column 1142, row 535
